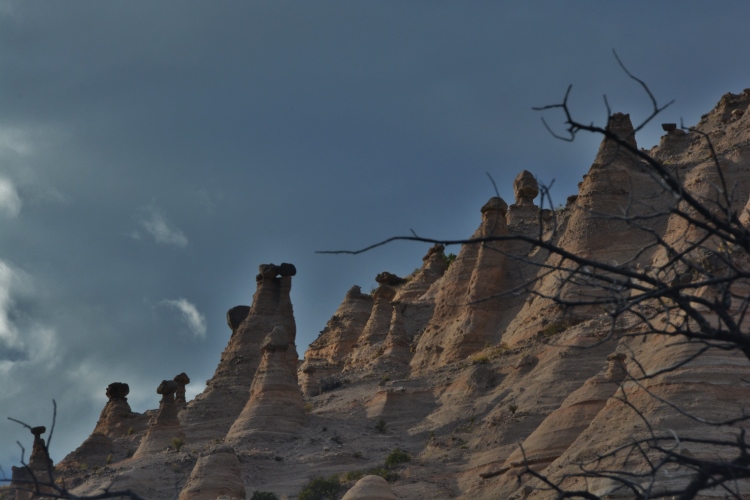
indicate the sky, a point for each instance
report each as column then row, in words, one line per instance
column 153, row 154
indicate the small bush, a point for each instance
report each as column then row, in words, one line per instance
column 329, row 383
column 354, row 475
column 308, row 407
column 386, row 474
column 559, row 326
column 82, row 467
column 131, row 431
column 264, row 495
column 357, row 454
column 130, row 452
column 381, row 426
column 177, row 443
column 449, row 259
column 480, row 359
column 109, row 459
column 512, row 407
column 397, row 457
column 320, row 488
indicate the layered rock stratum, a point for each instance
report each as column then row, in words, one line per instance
column 461, row 362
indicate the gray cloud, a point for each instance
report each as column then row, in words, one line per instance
column 189, row 314
column 10, row 202
column 155, row 223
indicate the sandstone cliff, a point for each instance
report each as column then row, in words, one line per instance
column 462, row 361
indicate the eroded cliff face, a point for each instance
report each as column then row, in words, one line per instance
column 463, row 360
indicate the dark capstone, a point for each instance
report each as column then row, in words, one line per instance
column 236, row 315
column 669, row 127
column 436, row 248
column 386, row 278
column 117, row 390
column 271, row 271
column 182, row 379
column 38, row 431
column 167, row 387
column 286, row 269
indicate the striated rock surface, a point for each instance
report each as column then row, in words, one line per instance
column 217, row 474
column 325, row 356
column 275, row 409
column 210, row 415
column 467, row 299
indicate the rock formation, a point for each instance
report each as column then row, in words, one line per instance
column 210, row 415
column 523, row 215
column 275, row 410
column 468, row 297
column 370, row 488
column 460, row 363
column 164, row 430
column 117, row 418
column 34, row 479
column 182, row 380
column 370, row 343
column 215, row 475
column 325, row 356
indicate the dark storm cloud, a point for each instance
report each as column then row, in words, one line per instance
column 153, row 154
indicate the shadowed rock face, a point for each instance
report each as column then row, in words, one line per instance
column 182, row 380
column 217, row 474
column 326, row 354
column 275, row 409
column 465, row 315
column 369, row 344
column 116, row 417
column 210, row 415
column 165, row 427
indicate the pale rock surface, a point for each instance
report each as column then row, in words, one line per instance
column 275, row 410
column 216, row 474
column 370, row 488
column 210, row 415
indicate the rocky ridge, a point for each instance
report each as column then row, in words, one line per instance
column 455, row 365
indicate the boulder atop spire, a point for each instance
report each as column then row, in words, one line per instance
column 525, row 188
column 495, row 204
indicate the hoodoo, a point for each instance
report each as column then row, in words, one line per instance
column 210, row 415
column 164, row 428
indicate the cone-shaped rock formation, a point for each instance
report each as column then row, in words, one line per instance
column 215, row 475
column 210, row 415
column 275, row 409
